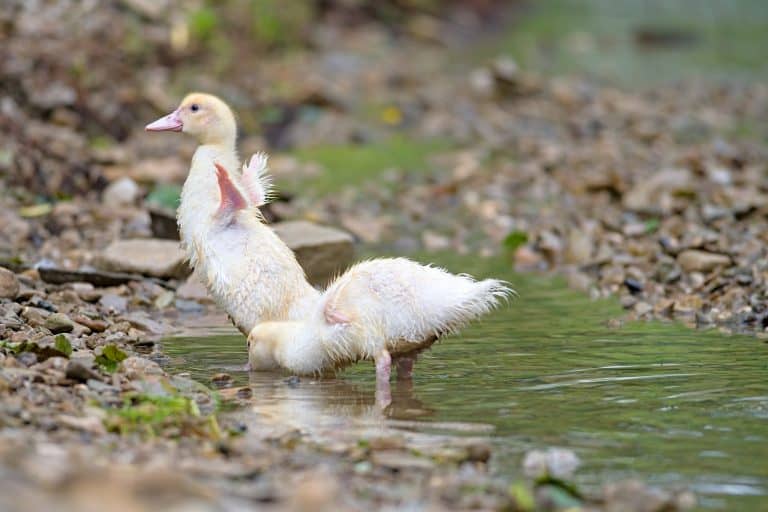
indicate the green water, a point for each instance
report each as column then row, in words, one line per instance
column 671, row 406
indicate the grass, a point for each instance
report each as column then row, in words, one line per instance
column 354, row 164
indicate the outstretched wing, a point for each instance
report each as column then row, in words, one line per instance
column 256, row 180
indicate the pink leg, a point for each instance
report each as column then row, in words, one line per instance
column 383, row 372
column 404, row 367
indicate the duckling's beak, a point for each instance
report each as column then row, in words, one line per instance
column 170, row 123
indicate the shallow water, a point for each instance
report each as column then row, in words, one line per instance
column 672, row 406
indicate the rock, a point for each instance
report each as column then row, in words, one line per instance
column 90, row 424
column 221, row 380
column 171, row 169
column 163, row 223
column 527, row 259
column 579, row 281
column 578, row 249
column 653, row 195
column 113, row 303
column 143, row 322
column 79, row 372
column 9, row 284
column 59, row 323
column 635, row 495
column 34, row 316
column 97, row 278
column 556, row 462
column 193, row 289
column 164, row 300
column 148, row 256
column 123, row 192
column 322, row 251
column 693, row 260
column 135, row 367
column 482, row 82
column 400, row 460
column 94, row 324
column 643, row 308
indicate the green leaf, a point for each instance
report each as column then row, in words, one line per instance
column 63, row 345
column 652, row 225
column 522, row 497
column 113, row 353
column 166, row 195
column 515, row 239
column 110, row 358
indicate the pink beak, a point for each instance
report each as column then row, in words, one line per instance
column 170, row 123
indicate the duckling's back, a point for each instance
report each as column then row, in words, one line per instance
column 408, row 304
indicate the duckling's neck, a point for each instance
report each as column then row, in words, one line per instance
column 199, row 196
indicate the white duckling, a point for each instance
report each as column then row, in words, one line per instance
column 250, row 272
column 378, row 309
column 382, row 309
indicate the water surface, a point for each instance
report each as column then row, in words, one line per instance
column 669, row 405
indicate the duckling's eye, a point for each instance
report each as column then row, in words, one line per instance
column 195, row 107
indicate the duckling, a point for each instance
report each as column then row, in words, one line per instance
column 250, row 272
column 381, row 309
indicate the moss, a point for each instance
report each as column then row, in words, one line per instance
column 172, row 415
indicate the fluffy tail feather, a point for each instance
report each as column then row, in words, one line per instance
column 482, row 298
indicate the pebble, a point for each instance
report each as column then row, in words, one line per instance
column 556, row 462
column 701, row 261
column 59, row 323
column 113, row 304
column 79, row 372
column 9, row 284
column 123, row 192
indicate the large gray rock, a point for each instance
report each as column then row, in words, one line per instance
column 9, row 285
column 321, row 250
column 147, row 256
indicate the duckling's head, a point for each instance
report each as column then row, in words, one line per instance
column 267, row 340
column 203, row 116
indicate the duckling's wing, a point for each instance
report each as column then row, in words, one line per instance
column 256, row 179
column 333, row 309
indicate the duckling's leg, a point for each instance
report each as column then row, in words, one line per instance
column 404, row 365
column 383, row 372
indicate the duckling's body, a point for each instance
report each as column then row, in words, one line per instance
column 381, row 309
column 247, row 269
